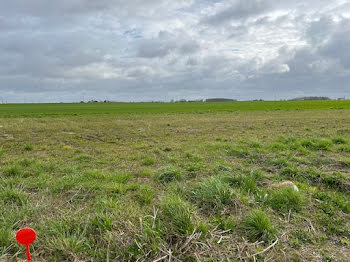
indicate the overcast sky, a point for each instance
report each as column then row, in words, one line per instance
column 141, row 50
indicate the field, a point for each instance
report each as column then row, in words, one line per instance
column 176, row 182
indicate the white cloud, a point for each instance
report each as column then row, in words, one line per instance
column 137, row 50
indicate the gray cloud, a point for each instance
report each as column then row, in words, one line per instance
column 167, row 42
column 238, row 9
column 158, row 50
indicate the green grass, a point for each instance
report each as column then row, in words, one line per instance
column 258, row 226
column 7, row 110
column 212, row 194
column 184, row 181
column 176, row 214
column 285, row 199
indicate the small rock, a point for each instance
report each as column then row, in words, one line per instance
column 284, row 184
column 68, row 133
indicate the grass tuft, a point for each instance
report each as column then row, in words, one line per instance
column 13, row 196
column 285, row 199
column 257, row 226
column 316, row 144
column 28, row 147
column 176, row 214
column 339, row 140
column 168, row 174
column 213, row 193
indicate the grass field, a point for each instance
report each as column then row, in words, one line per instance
column 16, row 110
column 176, row 182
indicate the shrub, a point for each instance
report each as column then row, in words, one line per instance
column 258, row 226
column 285, row 199
column 213, row 193
column 176, row 214
column 168, row 174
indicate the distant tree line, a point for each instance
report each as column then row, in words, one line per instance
column 309, row 98
column 202, row 100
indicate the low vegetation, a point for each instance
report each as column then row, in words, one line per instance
column 240, row 181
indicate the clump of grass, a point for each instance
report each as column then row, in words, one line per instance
column 192, row 167
column 339, row 140
column 25, row 162
column 255, row 144
column 332, row 224
column 148, row 161
column 257, row 226
column 176, row 213
column 102, row 222
column 167, row 149
column 285, row 199
column 345, row 162
column 225, row 223
column 168, row 174
column 239, row 152
column 290, row 172
column 246, row 182
column 344, row 148
column 223, row 167
column 144, row 173
column 12, row 170
column 13, row 196
column 213, row 193
column 66, row 147
column 279, row 162
column 298, row 237
column 83, row 158
column 144, row 195
column 28, row 147
column 316, row 144
column 5, row 238
column 95, row 174
column 336, row 199
column 276, row 147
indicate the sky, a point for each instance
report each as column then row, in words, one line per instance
column 158, row 50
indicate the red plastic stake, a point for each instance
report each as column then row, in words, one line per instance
column 26, row 236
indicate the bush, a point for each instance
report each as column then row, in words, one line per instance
column 258, row 226
column 177, row 215
column 212, row 193
column 285, row 199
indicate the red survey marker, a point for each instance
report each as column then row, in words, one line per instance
column 26, row 236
